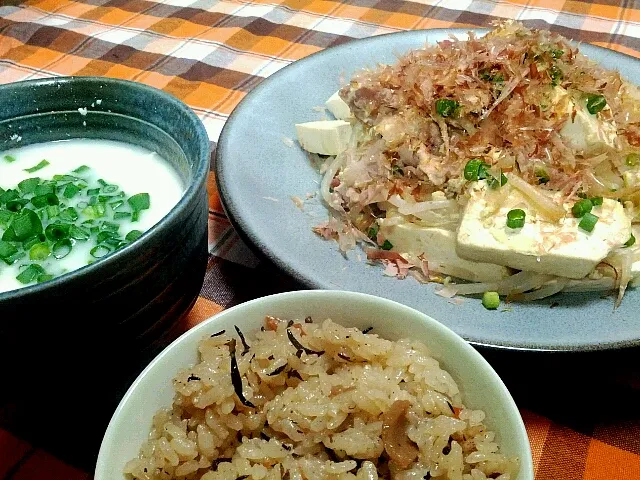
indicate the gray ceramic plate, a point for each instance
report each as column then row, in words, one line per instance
column 258, row 173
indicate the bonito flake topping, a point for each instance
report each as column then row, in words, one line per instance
column 485, row 158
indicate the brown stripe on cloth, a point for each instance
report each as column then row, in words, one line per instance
column 564, row 455
column 227, row 283
column 571, row 33
column 623, row 434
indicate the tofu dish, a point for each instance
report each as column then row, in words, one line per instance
column 505, row 165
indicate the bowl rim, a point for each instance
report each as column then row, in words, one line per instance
column 526, row 461
column 189, row 196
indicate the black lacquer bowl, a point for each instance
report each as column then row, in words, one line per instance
column 90, row 329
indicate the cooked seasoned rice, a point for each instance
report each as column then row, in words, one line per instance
column 329, row 402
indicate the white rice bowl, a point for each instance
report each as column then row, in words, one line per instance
column 366, row 407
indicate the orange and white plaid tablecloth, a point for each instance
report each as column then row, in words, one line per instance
column 583, row 423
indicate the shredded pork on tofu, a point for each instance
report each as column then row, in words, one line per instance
column 540, row 117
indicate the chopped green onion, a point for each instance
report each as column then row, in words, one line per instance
column 9, row 158
column 26, row 224
column 44, row 200
column 581, row 207
column 632, row 159
column 117, row 204
column 628, row 243
column 110, row 189
column 70, row 191
column 57, row 231
column 597, row 201
column 94, row 211
column 69, row 214
column 493, row 183
column 93, row 191
column 17, row 204
column 106, row 235
column 65, row 178
column 588, row 221
column 372, row 233
column 471, row 169
column 8, row 195
column 445, row 107
column 396, row 170
column 37, row 167
column 542, row 175
column 7, row 249
column 5, row 217
column 139, row 201
column 133, row 235
column 10, row 260
column 62, row 248
column 78, row 233
column 99, row 251
column 39, row 251
column 28, row 185
column 45, row 277
column 121, row 215
column 557, row 53
column 386, row 245
column 52, row 211
column 45, row 189
column 516, row 218
column 595, row 103
column 556, row 75
column 490, row 300
column 81, row 169
column 110, row 226
column 30, row 273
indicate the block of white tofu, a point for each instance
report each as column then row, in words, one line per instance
column 554, row 248
column 326, row 137
column 438, row 246
column 338, row 107
column 584, row 131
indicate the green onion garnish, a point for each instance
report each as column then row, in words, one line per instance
column 386, row 245
column 30, row 273
column 596, row 201
column 516, row 218
column 133, row 235
column 557, row 53
column 595, row 103
column 490, row 300
column 632, row 159
column 70, row 191
column 542, row 175
column 628, row 243
column 372, row 233
column 9, row 158
column 121, row 215
column 37, row 167
column 81, row 169
column 581, row 207
column 99, row 251
column 45, row 277
column 26, row 224
column 445, row 107
column 79, row 233
column 29, row 185
column 588, row 221
column 7, row 249
column 62, row 248
column 556, row 75
column 471, row 169
column 139, row 201
column 57, row 231
column 39, row 251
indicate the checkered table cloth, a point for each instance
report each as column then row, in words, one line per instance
column 210, row 54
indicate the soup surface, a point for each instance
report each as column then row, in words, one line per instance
column 112, row 177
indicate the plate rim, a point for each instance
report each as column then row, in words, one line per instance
column 252, row 239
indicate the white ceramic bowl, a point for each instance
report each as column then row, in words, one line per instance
column 480, row 385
